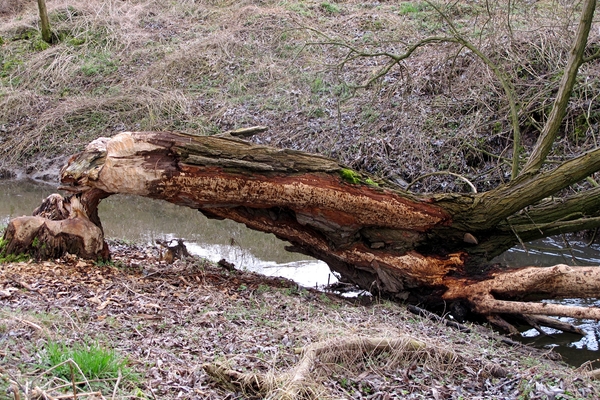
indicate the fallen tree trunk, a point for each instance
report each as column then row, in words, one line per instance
column 428, row 249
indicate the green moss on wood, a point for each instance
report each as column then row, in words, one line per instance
column 350, row 176
column 355, row 178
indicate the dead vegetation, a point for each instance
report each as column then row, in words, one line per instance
column 264, row 338
column 207, row 67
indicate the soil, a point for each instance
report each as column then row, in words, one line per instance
column 170, row 320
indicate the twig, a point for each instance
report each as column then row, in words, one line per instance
column 245, row 132
column 593, row 238
column 59, row 387
column 505, row 82
column 70, row 360
column 594, row 374
column 73, row 382
column 473, row 188
column 32, row 324
column 114, row 394
column 84, row 394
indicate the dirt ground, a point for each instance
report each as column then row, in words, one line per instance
column 169, row 321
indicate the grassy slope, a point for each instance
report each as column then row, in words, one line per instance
column 209, row 66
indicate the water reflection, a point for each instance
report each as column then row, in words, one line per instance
column 142, row 220
column 18, row 198
column 551, row 251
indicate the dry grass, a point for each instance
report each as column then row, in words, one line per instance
column 210, row 66
column 11, row 7
column 171, row 320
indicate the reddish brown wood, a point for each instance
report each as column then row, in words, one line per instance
column 385, row 240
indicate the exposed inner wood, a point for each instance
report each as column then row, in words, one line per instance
column 428, row 249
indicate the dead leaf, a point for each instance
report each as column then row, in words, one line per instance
column 104, row 304
column 5, row 293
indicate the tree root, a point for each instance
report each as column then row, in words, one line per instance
column 553, row 323
column 297, row 383
column 489, row 297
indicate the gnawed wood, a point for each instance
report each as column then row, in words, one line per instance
column 59, row 226
column 385, row 240
column 395, row 244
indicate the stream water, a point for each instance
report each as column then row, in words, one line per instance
column 139, row 219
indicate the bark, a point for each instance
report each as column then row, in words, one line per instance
column 59, row 226
column 427, row 249
column 559, row 109
column 45, row 22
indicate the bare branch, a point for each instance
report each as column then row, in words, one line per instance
column 559, row 109
column 492, row 207
column 585, row 204
column 355, row 53
column 505, row 82
column 593, row 57
column 468, row 182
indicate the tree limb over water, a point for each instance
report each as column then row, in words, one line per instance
column 388, row 241
column 431, row 248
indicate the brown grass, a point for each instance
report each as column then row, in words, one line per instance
column 210, row 66
column 170, row 321
column 11, row 7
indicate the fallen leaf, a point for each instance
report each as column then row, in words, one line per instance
column 5, row 293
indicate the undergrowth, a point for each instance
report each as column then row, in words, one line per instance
column 208, row 67
column 8, row 258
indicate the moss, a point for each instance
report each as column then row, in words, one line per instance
column 355, row 178
column 78, row 41
column 371, row 182
column 350, row 176
column 39, row 44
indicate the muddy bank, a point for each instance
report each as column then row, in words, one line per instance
column 41, row 169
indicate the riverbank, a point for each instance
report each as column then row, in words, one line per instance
column 207, row 67
column 168, row 321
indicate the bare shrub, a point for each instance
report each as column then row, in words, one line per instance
column 237, row 64
column 11, row 7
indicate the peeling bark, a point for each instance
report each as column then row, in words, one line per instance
column 428, row 249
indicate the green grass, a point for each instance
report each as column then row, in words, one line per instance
column 331, row 8
column 408, row 8
column 8, row 258
column 99, row 64
column 85, row 362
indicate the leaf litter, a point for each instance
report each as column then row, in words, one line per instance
column 171, row 321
